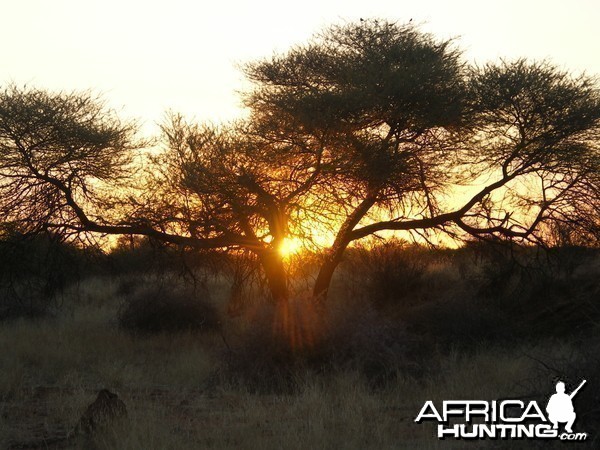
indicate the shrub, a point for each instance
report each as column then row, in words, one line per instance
column 553, row 294
column 281, row 344
column 167, row 309
column 34, row 272
column 396, row 276
column 465, row 323
column 32, row 306
column 390, row 273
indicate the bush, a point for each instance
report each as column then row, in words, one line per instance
column 396, row 276
column 554, row 294
column 392, row 272
column 14, row 306
column 167, row 309
column 34, row 272
column 464, row 323
column 280, row 345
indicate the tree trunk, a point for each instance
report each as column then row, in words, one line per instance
column 277, row 280
column 324, row 277
column 343, row 238
column 323, row 281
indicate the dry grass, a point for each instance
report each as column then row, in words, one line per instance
column 52, row 368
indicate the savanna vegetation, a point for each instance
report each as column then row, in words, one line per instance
column 388, row 225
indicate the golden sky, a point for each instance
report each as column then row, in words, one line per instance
column 149, row 56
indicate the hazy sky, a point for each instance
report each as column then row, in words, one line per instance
column 148, row 56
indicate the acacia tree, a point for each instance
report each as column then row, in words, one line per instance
column 389, row 102
column 244, row 184
column 404, row 121
column 56, row 151
column 367, row 128
column 65, row 162
column 67, row 165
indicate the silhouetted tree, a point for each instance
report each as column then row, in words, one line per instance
column 403, row 121
column 66, row 162
column 240, row 183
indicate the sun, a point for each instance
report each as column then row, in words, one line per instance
column 290, row 246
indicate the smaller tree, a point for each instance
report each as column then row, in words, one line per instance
column 65, row 163
column 240, row 183
column 58, row 154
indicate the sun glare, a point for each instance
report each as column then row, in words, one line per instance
column 290, row 246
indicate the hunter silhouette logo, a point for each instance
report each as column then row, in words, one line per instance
column 505, row 419
column 560, row 407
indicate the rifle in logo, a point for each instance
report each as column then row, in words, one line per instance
column 560, row 407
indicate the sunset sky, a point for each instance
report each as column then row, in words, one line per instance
column 148, row 56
